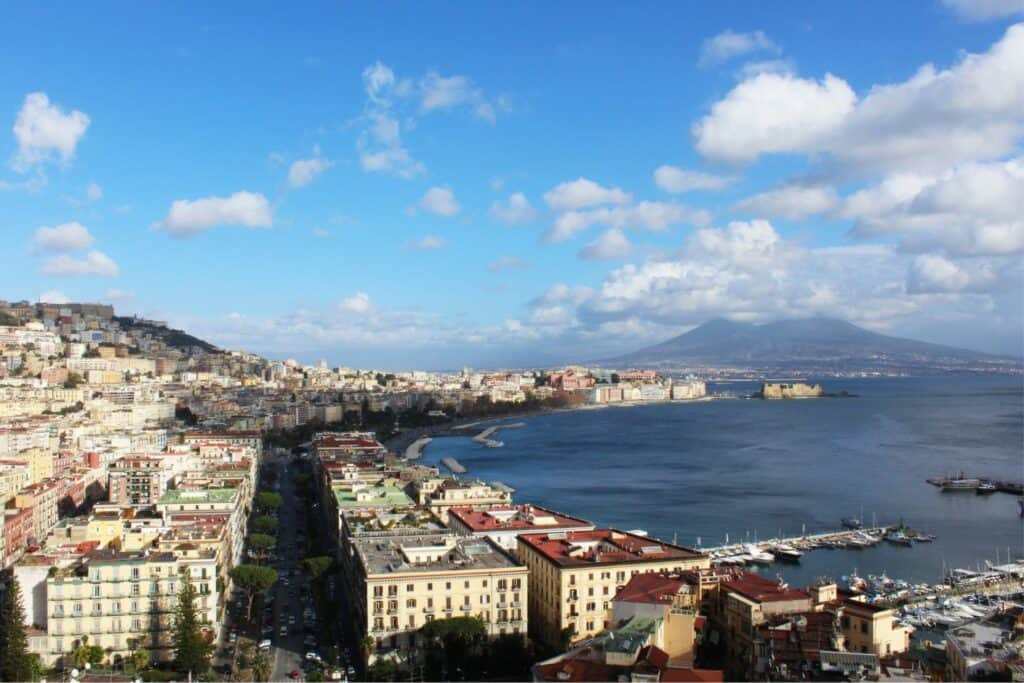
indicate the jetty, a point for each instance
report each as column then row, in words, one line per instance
column 454, row 465
column 415, row 449
column 484, row 437
column 790, row 549
column 1015, row 488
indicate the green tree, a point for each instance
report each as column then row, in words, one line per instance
column 316, row 566
column 265, row 524
column 261, row 543
column 261, row 667
column 139, row 659
column 15, row 663
column 267, row 501
column 192, row 650
column 253, row 579
column 87, row 654
column 459, row 640
column 73, row 380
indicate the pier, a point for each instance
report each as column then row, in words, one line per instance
column 1015, row 488
column 415, row 449
column 454, row 465
column 789, row 549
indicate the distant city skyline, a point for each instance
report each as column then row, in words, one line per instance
column 521, row 185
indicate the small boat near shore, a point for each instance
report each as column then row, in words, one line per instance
column 786, row 553
column 985, row 488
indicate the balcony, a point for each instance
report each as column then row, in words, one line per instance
column 466, row 608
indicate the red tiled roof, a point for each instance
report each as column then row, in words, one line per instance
column 657, row 589
column 606, row 546
column 760, row 589
column 486, row 520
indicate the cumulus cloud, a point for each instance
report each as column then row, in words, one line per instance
column 187, row 218
column 678, row 180
column 507, row 263
column 440, row 201
column 357, row 303
column 94, row 263
column 65, row 237
column 610, row 245
column 514, row 210
column 53, row 296
column 792, row 202
column 935, row 119
column 43, row 130
column 985, row 10
column 583, row 192
column 304, row 171
column 729, row 44
column 646, row 215
column 439, row 92
column 427, row 243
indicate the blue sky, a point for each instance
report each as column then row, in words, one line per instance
column 470, row 184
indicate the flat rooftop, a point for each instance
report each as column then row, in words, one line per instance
column 604, row 546
column 198, row 496
column 372, row 496
column 516, row 518
column 421, row 553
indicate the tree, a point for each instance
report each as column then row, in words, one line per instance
column 87, row 654
column 15, row 663
column 73, row 380
column 139, row 659
column 265, row 524
column 460, row 639
column 316, row 566
column 565, row 637
column 261, row 667
column 261, row 543
column 253, row 579
column 192, row 650
column 268, row 501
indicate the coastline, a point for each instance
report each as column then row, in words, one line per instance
column 401, row 443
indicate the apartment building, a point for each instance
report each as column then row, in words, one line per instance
column 872, row 629
column 574, row 576
column 403, row 580
column 440, row 494
column 138, row 480
column 504, row 523
column 121, row 601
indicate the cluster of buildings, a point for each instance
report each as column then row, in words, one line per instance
column 415, row 545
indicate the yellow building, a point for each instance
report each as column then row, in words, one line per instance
column 574, row 576
column 872, row 629
column 122, row 602
column 404, row 580
column 40, row 463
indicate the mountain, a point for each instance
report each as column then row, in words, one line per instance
column 814, row 344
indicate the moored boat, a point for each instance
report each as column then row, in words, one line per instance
column 985, row 488
column 961, row 484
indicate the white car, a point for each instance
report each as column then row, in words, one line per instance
column 265, row 644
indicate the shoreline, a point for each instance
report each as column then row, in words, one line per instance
column 401, row 443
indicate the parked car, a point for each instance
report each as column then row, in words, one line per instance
column 265, row 644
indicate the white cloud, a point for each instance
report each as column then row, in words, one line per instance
column 115, row 294
column 191, row 217
column 653, row 216
column 94, row 192
column 507, row 263
column 378, row 80
column 357, row 303
column 53, row 296
column 43, row 129
column 65, row 237
column 972, row 209
column 792, row 202
column 94, row 263
column 304, row 171
column 773, row 113
column 439, row 92
column 583, row 192
column 678, row 180
column 985, row 10
column 937, row 118
column 428, row 242
column 934, row 273
column 780, row 67
column 440, row 201
column 728, row 44
column 610, row 245
column 514, row 210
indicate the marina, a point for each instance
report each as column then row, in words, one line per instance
column 979, row 485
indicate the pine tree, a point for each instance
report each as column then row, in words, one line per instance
column 15, row 664
column 192, row 651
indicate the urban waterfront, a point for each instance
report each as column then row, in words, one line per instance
column 757, row 468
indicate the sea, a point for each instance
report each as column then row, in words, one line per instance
column 699, row 473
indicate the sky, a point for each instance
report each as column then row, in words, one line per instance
column 402, row 185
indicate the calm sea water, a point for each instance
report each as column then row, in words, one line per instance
column 752, row 469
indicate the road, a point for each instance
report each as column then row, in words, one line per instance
column 288, row 651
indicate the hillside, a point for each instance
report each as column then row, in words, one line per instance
column 824, row 344
column 173, row 338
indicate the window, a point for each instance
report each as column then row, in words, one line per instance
column 411, row 603
column 95, row 591
column 135, row 572
column 430, row 586
column 392, row 591
column 412, row 621
column 378, row 591
column 135, row 589
column 394, row 622
column 378, row 623
column 78, row 608
column 447, row 585
column 409, row 588
column 863, row 627
column 378, row 606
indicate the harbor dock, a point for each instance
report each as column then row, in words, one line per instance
column 791, row 549
column 415, row 449
column 964, row 482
